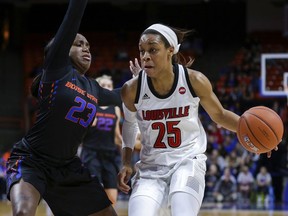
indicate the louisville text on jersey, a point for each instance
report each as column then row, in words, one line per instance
column 168, row 113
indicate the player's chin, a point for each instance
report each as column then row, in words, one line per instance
column 86, row 65
column 150, row 72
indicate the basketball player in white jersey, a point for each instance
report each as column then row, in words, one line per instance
column 163, row 101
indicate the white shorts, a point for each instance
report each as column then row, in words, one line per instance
column 188, row 177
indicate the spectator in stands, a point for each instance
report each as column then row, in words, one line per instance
column 250, row 160
column 233, row 161
column 216, row 158
column 226, row 188
column 211, row 178
column 230, row 142
column 215, row 130
column 263, row 184
column 245, row 181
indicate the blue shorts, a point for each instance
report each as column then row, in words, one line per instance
column 68, row 189
column 103, row 164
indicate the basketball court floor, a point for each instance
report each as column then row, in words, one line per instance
column 121, row 208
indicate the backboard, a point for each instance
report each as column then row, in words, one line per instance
column 274, row 74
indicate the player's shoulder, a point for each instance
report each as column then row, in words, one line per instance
column 194, row 74
column 198, row 80
column 130, row 86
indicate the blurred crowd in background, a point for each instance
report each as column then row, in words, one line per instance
column 234, row 176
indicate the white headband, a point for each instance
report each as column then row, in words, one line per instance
column 168, row 33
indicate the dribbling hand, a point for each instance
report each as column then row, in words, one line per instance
column 270, row 152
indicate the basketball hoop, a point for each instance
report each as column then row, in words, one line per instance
column 280, row 90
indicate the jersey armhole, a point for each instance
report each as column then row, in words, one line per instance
column 138, row 87
column 188, row 82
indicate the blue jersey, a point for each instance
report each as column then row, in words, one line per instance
column 67, row 100
column 102, row 135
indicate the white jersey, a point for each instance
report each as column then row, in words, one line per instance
column 170, row 127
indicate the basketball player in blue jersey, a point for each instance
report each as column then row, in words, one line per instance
column 101, row 146
column 163, row 100
column 44, row 163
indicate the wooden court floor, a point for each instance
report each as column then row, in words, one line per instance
column 121, row 208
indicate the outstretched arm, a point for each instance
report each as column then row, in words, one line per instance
column 107, row 97
column 58, row 53
column 212, row 105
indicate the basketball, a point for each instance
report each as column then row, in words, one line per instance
column 260, row 129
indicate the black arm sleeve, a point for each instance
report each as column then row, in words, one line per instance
column 107, row 97
column 58, row 54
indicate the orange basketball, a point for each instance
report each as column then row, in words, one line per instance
column 260, row 129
